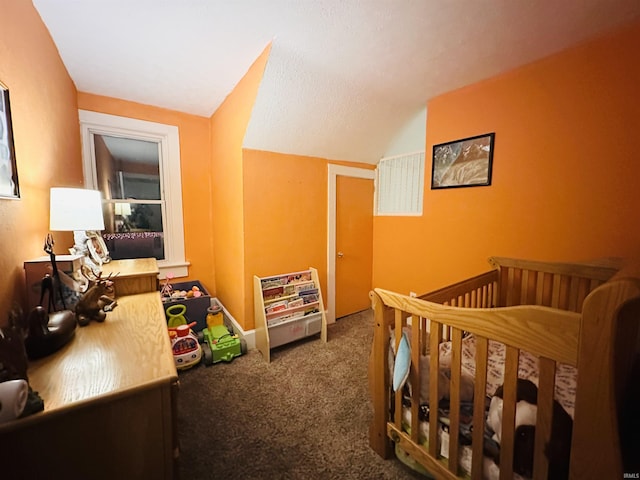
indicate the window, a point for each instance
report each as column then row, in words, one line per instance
column 400, row 184
column 136, row 166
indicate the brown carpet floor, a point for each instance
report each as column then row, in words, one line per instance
column 305, row 415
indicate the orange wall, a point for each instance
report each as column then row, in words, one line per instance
column 195, row 165
column 228, row 127
column 45, row 126
column 565, row 170
column 285, row 217
column 285, row 211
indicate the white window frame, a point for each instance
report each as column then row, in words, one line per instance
column 168, row 139
column 401, row 192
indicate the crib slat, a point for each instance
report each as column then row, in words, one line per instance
column 399, row 324
column 424, row 335
column 493, row 294
column 524, row 288
column 565, row 298
column 454, row 399
column 516, row 287
column 539, row 288
column 573, row 295
column 397, row 416
column 434, row 365
column 531, row 290
column 555, row 291
column 415, row 379
column 544, row 417
column 508, row 299
column 508, row 412
column 479, row 390
column 547, row 289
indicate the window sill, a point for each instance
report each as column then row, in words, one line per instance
column 177, row 269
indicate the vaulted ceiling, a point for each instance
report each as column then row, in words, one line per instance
column 343, row 77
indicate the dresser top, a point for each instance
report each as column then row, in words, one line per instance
column 129, row 350
column 136, row 267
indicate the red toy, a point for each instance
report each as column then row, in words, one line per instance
column 186, row 349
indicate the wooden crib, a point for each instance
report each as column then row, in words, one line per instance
column 585, row 315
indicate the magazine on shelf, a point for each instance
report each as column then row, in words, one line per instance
column 299, row 277
column 273, row 282
column 309, row 291
column 311, row 298
column 272, row 292
column 296, row 302
column 303, row 287
column 276, row 307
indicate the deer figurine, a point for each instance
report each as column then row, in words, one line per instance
column 97, row 300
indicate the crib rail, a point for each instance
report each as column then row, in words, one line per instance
column 480, row 291
column 548, row 333
column 552, row 284
column 528, row 306
column 475, row 292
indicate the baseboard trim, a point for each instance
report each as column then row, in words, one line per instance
column 248, row 335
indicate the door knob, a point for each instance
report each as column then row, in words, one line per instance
column 340, row 254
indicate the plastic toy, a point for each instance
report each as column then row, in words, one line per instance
column 167, row 288
column 175, row 316
column 220, row 344
column 185, row 347
column 214, row 316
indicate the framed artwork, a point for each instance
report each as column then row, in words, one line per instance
column 463, row 163
column 98, row 251
column 8, row 171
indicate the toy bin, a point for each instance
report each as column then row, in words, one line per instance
column 291, row 330
column 196, row 307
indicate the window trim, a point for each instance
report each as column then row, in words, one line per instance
column 168, row 139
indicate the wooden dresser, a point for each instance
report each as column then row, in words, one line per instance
column 110, row 403
column 132, row 276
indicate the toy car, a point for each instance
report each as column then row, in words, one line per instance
column 220, row 344
column 185, row 347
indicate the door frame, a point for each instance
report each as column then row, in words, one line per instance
column 334, row 171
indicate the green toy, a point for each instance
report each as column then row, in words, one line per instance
column 175, row 316
column 220, row 344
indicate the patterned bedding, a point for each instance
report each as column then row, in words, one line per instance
column 566, row 375
column 565, row 389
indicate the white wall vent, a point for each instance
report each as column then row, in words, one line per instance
column 400, row 184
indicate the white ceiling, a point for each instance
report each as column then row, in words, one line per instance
column 343, row 77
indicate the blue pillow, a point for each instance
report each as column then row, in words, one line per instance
column 402, row 364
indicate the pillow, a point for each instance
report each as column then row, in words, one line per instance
column 402, row 364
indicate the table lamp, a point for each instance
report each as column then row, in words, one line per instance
column 122, row 212
column 79, row 210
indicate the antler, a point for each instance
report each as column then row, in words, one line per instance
column 90, row 274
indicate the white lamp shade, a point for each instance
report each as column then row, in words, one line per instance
column 75, row 209
column 123, row 209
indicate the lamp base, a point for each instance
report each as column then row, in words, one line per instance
column 91, row 245
column 80, row 247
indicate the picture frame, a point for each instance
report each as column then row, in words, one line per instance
column 9, row 187
column 98, row 251
column 463, row 163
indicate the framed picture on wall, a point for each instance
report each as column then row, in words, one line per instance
column 8, row 171
column 463, row 163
